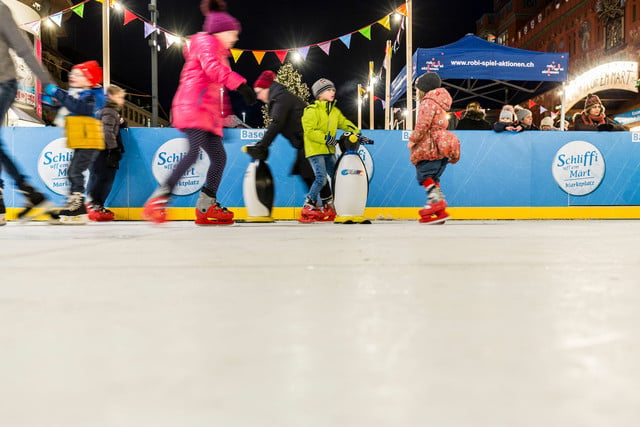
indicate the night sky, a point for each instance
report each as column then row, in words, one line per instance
column 270, row 25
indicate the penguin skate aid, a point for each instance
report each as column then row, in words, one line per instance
column 432, row 146
column 351, row 181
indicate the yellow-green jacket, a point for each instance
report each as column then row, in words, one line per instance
column 320, row 119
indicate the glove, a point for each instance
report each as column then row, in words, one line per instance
column 46, row 99
column 330, row 140
column 364, row 140
column 257, row 152
column 247, row 93
column 51, row 90
column 605, row 127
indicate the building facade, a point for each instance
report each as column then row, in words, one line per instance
column 602, row 38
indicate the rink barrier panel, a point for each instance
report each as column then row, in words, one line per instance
column 499, row 176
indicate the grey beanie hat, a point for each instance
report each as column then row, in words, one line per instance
column 506, row 114
column 321, row 85
column 428, row 81
column 522, row 113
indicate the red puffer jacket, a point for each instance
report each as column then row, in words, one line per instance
column 430, row 139
column 198, row 103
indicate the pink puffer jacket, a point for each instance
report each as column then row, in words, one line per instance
column 430, row 139
column 198, row 103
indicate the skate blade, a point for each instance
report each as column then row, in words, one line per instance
column 29, row 214
column 70, row 220
column 434, row 221
column 205, row 221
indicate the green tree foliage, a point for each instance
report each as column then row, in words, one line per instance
column 290, row 78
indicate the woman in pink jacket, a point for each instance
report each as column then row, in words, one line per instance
column 432, row 145
column 197, row 111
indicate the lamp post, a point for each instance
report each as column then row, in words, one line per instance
column 359, row 106
column 409, row 67
column 371, row 95
column 153, row 43
column 106, row 51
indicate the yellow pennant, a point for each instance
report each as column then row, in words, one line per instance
column 236, row 54
column 385, row 22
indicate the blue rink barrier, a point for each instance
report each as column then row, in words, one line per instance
column 526, row 175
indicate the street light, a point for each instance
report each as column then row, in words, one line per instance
column 153, row 44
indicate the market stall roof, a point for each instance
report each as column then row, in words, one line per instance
column 473, row 69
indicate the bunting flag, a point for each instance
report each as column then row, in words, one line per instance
column 366, row 31
column 171, row 39
column 35, row 27
column 281, row 54
column 346, row 40
column 57, row 18
column 458, row 114
column 304, row 51
column 402, row 10
column 148, row 29
column 363, row 90
column 531, row 104
column 235, row 53
column 326, row 46
column 385, row 22
column 553, row 115
column 259, row 54
column 128, row 17
column 542, row 109
column 79, row 10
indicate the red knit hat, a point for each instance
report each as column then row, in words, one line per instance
column 264, row 80
column 91, row 70
column 592, row 100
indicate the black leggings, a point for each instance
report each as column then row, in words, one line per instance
column 210, row 144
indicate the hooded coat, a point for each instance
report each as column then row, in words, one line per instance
column 430, row 139
column 199, row 100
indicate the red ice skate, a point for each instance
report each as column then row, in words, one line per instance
column 155, row 209
column 99, row 213
column 327, row 213
column 310, row 212
column 214, row 215
column 434, row 210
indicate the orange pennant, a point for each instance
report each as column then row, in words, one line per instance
column 259, row 54
column 402, row 10
column 281, row 54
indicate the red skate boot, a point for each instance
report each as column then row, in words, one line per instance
column 155, row 209
column 210, row 212
column 434, row 210
column 99, row 213
column 310, row 212
column 328, row 212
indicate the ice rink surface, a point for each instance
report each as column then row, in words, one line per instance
column 394, row 324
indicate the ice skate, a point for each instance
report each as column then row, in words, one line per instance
column 434, row 210
column 36, row 205
column 155, row 209
column 99, row 213
column 210, row 212
column 328, row 212
column 74, row 213
column 310, row 212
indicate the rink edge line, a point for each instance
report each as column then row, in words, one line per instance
column 459, row 213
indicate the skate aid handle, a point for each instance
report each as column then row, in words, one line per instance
column 331, row 140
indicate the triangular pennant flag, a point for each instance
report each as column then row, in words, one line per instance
column 235, row 53
column 385, row 22
column 171, row 39
column 542, row 109
column 128, row 17
column 281, row 54
column 303, row 51
column 346, row 40
column 531, row 104
column 459, row 114
column 57, row 18
column 35, row 26
column 402, row 10
column 553, row 115
column 384, row 104
column 148, row 29
column 100, row 1
column 79, row 10
column 258, row 54
column 326, row 46
column 366, row 32
column 363, row 90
